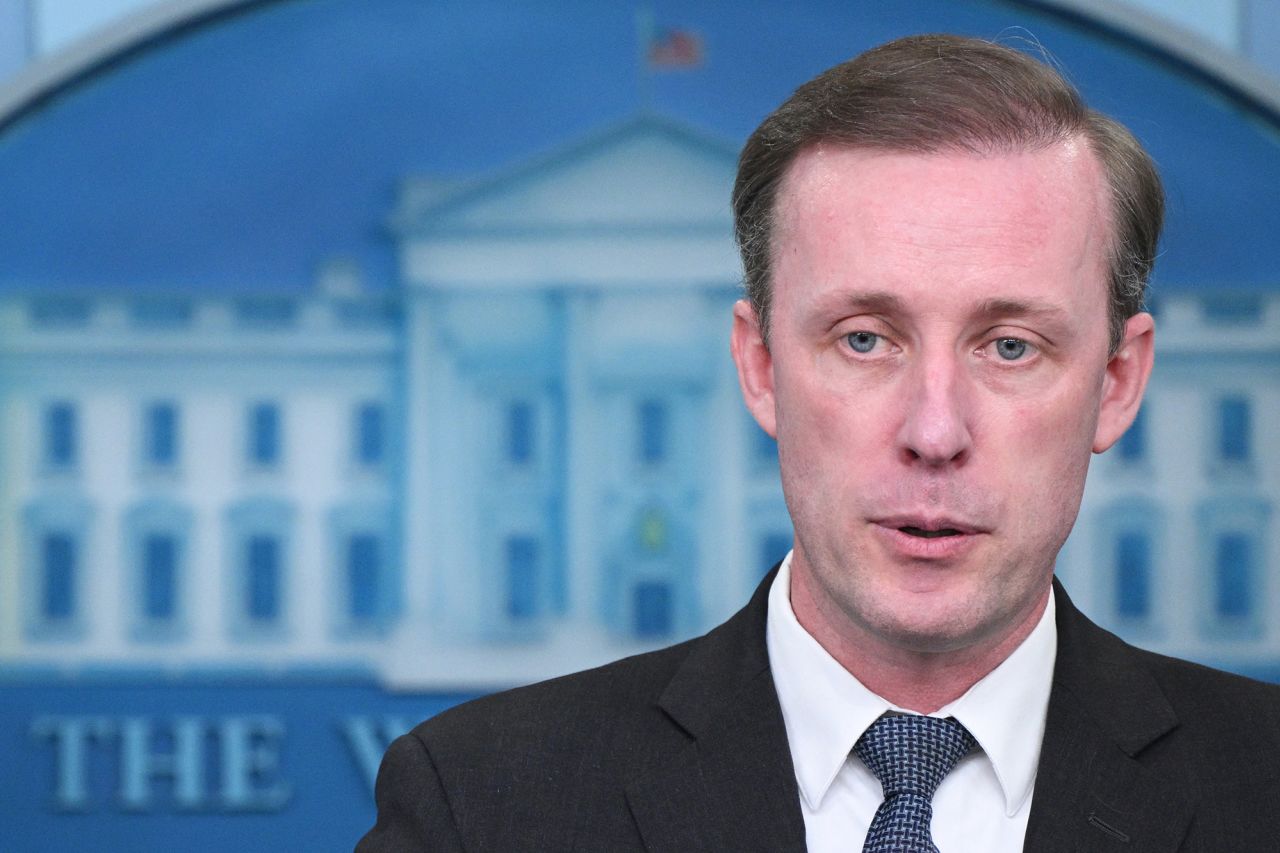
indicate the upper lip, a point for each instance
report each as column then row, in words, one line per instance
column 928, row 522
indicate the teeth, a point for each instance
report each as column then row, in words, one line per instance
column 930, row 534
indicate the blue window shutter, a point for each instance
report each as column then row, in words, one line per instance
column 60, row 436
column 58, row 558
column 520, row 437
column 1234, row 437
column 264, row 434
column 162, row 434
column 370, row 434
column 652, row 608
column 1133, row 575
column 522, row 577
column 773, row 547
column 364, row 576
column 1132, row 446
column 263, row 578
column 160, row 577
column 1233, row 576
column 766, row 447
column 653, row 432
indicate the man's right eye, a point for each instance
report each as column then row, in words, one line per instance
column 862, row 342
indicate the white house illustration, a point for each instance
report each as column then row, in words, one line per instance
column 531, row 457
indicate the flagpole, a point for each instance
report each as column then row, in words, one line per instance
column 644, row 39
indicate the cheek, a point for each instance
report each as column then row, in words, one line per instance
column 1052, row 427
column 827, row 427
column 1045, row 451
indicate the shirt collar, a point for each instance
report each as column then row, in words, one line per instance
column 826, row 709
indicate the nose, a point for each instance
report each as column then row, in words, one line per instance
column 935, row 427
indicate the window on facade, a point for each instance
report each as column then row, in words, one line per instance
column 60, row 312
column 371, row 438
column 161, row 313
column 61, row 435
column 160, row 434
column 652, row 609
column 364, row 576
column 1233, row 576
column 520, row 432
column 266, row 312
column 58, row 567
column 262, row 578
column 366, row 312
column 773, row 547
column 764, row 447
column 264, row 434
column 522, row 577
column 1133, row 575
column 1233, row 309
column 159, row 577
column 653, row 426
column 1132, row 446
column 1234, row 428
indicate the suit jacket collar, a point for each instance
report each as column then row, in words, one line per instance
column 1105, row 710
column 733, row 787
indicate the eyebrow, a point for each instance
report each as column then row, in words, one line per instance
column 870, row 302
column 1046, row 312
column 889, row 303
column 883, row 301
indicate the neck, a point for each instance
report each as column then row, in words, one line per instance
column 921, row 680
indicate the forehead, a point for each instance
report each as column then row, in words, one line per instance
column 943, row 218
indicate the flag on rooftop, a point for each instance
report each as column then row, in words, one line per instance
column 675, row 49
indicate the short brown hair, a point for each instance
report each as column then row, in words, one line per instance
column 933, row 93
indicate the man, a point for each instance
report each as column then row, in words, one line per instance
column 945, row 257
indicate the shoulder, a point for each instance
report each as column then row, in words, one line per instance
column 572, row 707
column 619, row 704
column 1173, row 712
column 529, row 768
column 548, row 766
column 578, row 735
column 1216, row 721
column 1210, row 699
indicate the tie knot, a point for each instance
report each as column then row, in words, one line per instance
column 911, row 754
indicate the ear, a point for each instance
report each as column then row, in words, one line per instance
column 1125, row 380
column 755, row 366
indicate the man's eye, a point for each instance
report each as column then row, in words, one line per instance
column 1011, row 349
column 863, row 342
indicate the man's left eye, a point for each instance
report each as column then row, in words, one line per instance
column 862, row 342
column 1011, row 349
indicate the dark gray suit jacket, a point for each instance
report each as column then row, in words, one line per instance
column 684, row 749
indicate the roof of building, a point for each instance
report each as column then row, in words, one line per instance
column 230, row 143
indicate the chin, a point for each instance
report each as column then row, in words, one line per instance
column 934, row 620
column 929, row 637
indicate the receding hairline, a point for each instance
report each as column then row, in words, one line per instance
column 1103, row 201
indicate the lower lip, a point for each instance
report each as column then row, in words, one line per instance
column 921, row 548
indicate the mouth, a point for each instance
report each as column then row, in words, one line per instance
column 916, row 537
column 925, row 533
column 931, row 533
column 927, row 526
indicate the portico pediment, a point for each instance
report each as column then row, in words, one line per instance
column 645, row 200
column 644, row 174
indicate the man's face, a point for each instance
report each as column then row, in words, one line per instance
column 936, row 378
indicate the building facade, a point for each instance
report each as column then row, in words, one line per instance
column 529, row 457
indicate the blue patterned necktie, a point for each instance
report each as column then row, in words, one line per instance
column 909, row 755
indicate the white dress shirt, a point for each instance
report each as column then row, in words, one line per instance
column 981, row 806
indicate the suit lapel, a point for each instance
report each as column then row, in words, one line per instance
column 732, row 785
column 1092, row 792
